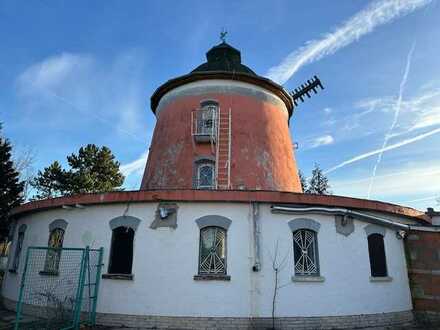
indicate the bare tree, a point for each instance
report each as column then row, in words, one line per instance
column 23, row 163
column 278, row 265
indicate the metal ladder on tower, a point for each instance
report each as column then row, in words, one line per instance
column 223, row 153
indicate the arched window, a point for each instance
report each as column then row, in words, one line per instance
column 205, row 175
column 376, row 250
column 53, row 255
column 18, row 248
column 212, row 255
column 305, row 251
column 121, row 252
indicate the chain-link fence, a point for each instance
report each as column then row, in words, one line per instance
column 59, row 287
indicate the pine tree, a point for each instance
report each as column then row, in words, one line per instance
column 93, row 169
column 11, row 188
column 318, row 183
column 52, row 182
column 303, row 181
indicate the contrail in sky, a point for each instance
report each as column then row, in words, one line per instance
column 378, row 151
column 396, row 116
column 365, row 21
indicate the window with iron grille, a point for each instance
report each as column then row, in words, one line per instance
column 305, row 250
column 205, row 176
column 206, row 119
column 212, row 255
column 376, row 250
column 18, row 248
column 53, row 254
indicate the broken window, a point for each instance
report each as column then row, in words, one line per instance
column 376, row 250
column 212, row 256
column 53, row 254
column 305, row 250
column 18, row 248
column 205, row 176
column 121, row 252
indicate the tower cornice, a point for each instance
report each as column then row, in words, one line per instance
column 265, row 83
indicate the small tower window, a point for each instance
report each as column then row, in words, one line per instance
column 205, row 124
column 376, row 250
column 212, row 257
column 121, row 252
column 206, row 118
column 305, row 250
column 205, row 176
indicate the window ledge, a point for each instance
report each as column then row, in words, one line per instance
column 49, row 273
column 380, row 279
column 212, row 277
column 202, row 137
column 308, row 278
column 126, row 277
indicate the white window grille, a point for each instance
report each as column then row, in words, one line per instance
column 305, row 249
column 206, row 120
column 205, row 176
column 212, row 258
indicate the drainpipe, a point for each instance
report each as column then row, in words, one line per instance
column 341, row 211
column 256, row 233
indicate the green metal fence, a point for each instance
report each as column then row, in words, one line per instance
column 59, row 287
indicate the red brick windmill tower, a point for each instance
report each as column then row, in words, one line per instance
column 223, row 127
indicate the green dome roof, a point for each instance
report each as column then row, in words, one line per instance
column 223, row 57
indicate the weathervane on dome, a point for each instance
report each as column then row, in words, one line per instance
column 223, row 34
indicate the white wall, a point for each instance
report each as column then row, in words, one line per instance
column 165, row 261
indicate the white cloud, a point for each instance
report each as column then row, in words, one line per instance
column 75, row 89
column 419, row 111
column 381, row 150
column 136, row 166
column 362, row 23
column 397, row 107
column 415, row 179
column 322, row 141
column 327, row 110
column 53, row 70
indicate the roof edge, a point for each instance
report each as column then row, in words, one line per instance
column 243, row 196
column 238, row 76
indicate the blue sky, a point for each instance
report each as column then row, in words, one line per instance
column 80, row 72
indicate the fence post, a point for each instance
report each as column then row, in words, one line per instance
column 20, row 295
column 97, row 281
column 80, row 290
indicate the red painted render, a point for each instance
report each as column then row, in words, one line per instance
column 261, row 148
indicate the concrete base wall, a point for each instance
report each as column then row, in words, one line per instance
column 297, row 323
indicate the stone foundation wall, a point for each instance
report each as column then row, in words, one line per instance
column 297, row 323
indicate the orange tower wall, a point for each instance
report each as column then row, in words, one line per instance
column 261, row 148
